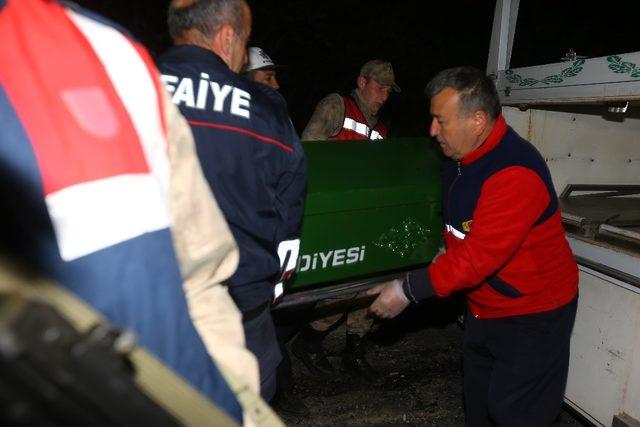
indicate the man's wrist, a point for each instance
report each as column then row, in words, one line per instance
column 417, row 286
column 406, row 288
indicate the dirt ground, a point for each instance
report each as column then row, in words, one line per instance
column 420, row 356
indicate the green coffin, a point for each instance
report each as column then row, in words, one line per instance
column 372, row 208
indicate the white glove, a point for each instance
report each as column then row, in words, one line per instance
column 391, row 300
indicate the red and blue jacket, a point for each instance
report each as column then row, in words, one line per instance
column 84, row 178
column 252, row 158
column 505, row 244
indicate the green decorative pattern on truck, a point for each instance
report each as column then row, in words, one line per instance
column 571, row 71
column 372, row 208
column 404, row 238
column 618, row 66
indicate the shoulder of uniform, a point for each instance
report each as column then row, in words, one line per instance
column 332, row 99
column 331, row 102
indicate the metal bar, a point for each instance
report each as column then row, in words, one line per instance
column 613, row 231
column 501, row 44
column 624, row 223
column 611, row 272
column 606, row 194
column 314, row 295
column 573, row 219
column 598, row 187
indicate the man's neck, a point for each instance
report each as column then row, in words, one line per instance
column 193, row 37
column 486, row 133
column 491, row 136
column 201, row 43
column 372, row 118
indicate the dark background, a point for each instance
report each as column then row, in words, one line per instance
column 321, row 44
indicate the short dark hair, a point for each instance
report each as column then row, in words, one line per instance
column 477, row 90
column 205, row 16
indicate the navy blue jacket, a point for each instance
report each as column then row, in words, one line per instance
column 251, row 156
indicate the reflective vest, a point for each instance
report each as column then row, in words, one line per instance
column 355, row 124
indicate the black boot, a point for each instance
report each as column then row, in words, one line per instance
column 287, row 404
column 354, row 361
column 307, row 347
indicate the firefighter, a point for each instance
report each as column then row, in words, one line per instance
column 506, row 249
column 260, row 68
column 250, row 154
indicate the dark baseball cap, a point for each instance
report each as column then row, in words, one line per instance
column 380, row 71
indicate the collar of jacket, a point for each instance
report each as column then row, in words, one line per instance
column 198, row 53
column 372, row 119
column 495, row 136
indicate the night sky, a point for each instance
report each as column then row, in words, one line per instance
column 321, row 44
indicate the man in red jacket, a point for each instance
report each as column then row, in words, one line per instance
column 506, row 249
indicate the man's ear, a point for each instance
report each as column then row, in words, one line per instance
column 480, row 121
column 225, row 39
column 361, row 81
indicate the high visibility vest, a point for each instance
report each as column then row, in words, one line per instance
column 355, row 124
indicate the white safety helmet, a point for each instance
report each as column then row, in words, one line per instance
column 258, row 60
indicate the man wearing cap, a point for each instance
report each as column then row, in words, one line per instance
column 354, row 116
column 261, row 69
column 339, row 118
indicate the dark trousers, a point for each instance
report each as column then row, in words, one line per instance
column 260, row 335
column 515, row 368
column 284, row 374
column 288, row 323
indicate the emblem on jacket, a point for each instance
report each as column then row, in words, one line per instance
column 466, row 226
column 209, row 93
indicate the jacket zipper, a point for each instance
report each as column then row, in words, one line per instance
column 459, row 174
column 459, row 166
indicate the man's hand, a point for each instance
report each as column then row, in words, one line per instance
column 391, row 299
